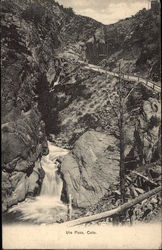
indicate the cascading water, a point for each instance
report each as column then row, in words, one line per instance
column 46, row 208
column 52, row 183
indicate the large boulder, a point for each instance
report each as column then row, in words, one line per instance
column 90, row 168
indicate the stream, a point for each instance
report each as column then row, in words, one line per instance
column 46, row 208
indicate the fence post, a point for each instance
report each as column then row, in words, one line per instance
column 138, row 78
column 69, row 206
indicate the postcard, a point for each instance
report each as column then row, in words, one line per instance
column 81, row 124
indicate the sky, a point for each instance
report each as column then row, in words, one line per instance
column 106, row 11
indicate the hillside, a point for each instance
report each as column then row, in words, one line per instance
column 134, row 42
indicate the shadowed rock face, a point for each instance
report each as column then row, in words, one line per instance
column 90, row 168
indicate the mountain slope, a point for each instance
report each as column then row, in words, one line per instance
column 134, row 42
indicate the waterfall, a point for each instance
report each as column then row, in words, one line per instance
column 46, row 208
column 52, row 183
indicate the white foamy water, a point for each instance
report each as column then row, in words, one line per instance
column 46, row 208
column 52, row 183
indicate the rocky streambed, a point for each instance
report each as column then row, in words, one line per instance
column 47, row 207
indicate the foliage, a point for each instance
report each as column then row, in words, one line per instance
column 89, row 120
column 154, row 122
column 34, row 13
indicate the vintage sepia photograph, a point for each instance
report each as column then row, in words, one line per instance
column 81, row 124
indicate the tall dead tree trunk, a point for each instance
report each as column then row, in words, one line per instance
column 120, row 111
column 122, row 160
column 122, row 143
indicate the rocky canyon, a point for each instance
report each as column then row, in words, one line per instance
column 50, row 92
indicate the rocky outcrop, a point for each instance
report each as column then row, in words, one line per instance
column 90, row 168
column 145, row 146
column 16, row 186
column 147, row 132
column 23, row 144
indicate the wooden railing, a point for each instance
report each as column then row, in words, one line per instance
column 147, row 82
column 138, row 78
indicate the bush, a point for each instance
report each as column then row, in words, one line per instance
column 34, row 13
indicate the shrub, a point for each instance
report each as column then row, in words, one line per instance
column 154, row 122
column 34, row 13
